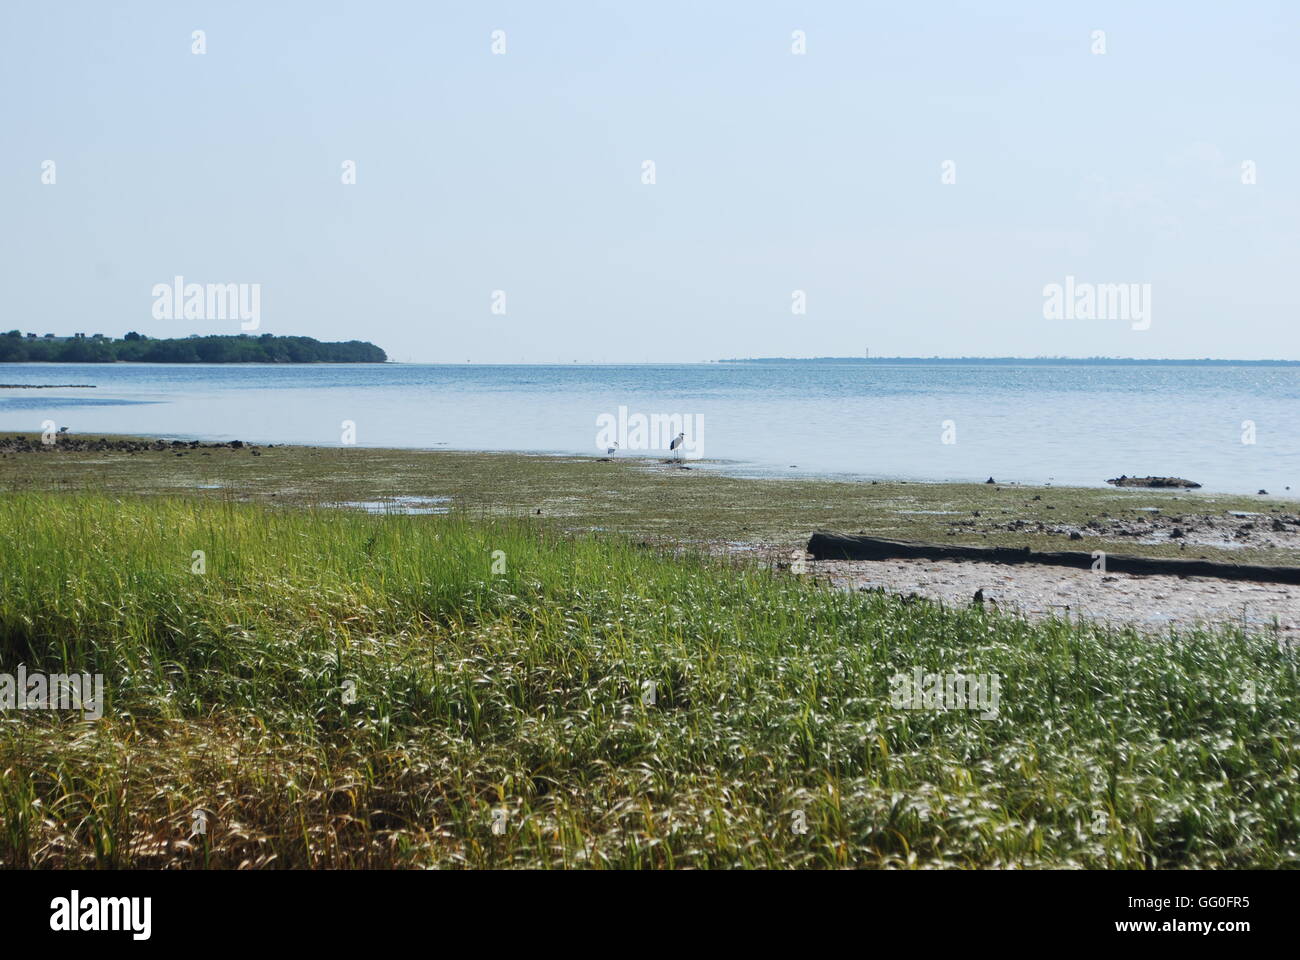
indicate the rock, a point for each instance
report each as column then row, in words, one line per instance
column 1127, row 481
column 1075, row 535
column 990, row 480
column 1263, row 493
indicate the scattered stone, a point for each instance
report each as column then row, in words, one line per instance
column 1127, row 481
column 20, row 444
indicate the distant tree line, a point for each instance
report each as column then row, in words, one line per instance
column 16, row 347
column 1022, row 361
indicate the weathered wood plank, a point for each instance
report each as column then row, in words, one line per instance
column 825, row 545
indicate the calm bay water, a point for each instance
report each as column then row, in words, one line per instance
column 1034, row 424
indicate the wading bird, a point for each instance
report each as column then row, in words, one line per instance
column 677, row 444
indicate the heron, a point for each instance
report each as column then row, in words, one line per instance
column 63, row 429
column 677, row 444
column 612, row 450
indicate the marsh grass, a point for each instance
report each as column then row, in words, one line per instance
column 523, row 692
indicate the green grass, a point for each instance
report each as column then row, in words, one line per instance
column 522, row 692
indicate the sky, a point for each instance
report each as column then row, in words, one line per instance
column 515, row 181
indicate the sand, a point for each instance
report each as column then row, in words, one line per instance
column 1041, row 592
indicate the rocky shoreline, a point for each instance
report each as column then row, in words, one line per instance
column 20, row 444
column 1153, row 482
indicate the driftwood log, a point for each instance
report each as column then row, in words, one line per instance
column 840, row 546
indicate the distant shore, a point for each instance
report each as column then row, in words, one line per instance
column 17, row 347
column 1026, row 361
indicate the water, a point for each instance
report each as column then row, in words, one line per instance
column 1073, row 425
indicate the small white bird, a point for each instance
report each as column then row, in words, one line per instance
column 677, row 444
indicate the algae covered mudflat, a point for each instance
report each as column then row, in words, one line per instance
column 647, row 498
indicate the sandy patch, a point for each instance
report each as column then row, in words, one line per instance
column 1039, row 592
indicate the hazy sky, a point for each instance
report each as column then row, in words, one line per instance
column 774, row 172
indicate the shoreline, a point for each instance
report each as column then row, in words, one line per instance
column 770, row 520
column 743, row 470
column 557, row 639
